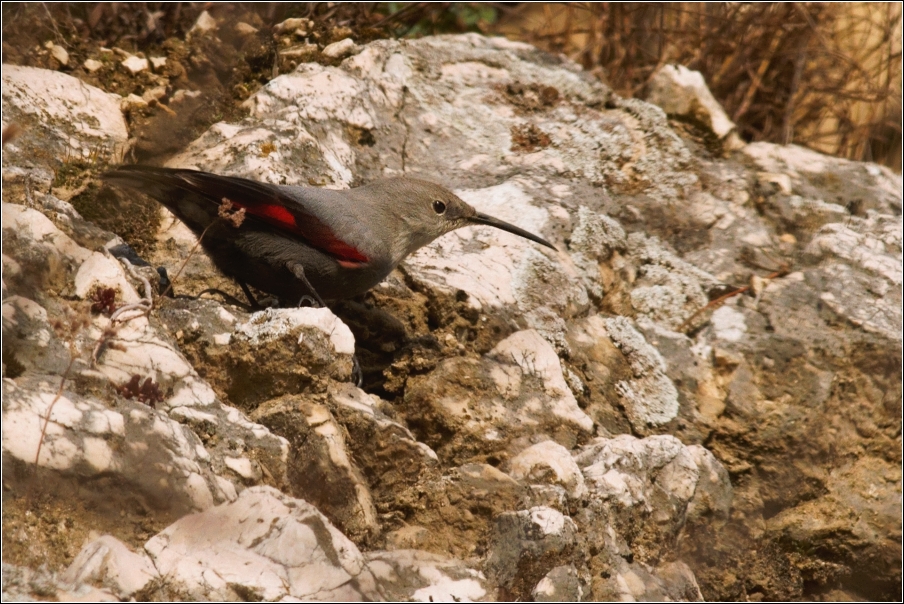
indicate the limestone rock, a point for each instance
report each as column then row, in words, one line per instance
column 264, row 543
column 74, row 117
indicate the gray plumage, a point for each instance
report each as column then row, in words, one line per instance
column 341, row 242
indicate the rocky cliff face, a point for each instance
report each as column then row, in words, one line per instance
column 698, row 396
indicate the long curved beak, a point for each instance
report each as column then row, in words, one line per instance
column 501, row 224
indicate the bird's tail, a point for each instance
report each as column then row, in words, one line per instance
column 196, row 208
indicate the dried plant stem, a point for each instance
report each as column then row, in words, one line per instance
column 187, row 258
column 59, row 394
column 758, row 77
column 144, row 305
column 721, row 299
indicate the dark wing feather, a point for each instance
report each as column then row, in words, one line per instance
column 262, row 201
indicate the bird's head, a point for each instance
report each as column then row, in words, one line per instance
column 423, row 211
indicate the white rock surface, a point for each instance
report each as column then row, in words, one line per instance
column 60, row 54
column 668, row 289
column 272, row 324
column 729, row 324
column 76, row 117
column 417, row 576
column 650, row 397
column 92, row 65
column 109, row 562
column 681, row 91
column 204, row 23
column 268, row 543
column 340, row 49
column 159, row 457
column 101, row 271
column 634, row 472
column 135, row 64
column 548, row 462
column 525, row 353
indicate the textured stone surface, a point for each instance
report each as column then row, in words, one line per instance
column 602, row 422
column 270, row 544
column 68, row 116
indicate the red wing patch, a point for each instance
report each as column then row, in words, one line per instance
column 278, row 214
column 315, row 233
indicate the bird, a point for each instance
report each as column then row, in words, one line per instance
column 296, row 242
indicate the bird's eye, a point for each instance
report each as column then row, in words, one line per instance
column 439, row 207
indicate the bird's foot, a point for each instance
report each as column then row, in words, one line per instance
column 298, row 271
column 308, row 301
column 357, row 373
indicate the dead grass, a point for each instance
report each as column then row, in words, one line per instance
column 827, row 76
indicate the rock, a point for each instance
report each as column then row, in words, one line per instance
column 45, row 256
column 154, row 94
column 561, row 584
column 855, row 522
column 245, row 29
column 658, row 474
column 273, row 324
column 92, row 65
column 482, row 350
column 321, row 470
column 386, row 451
column 181, row 95
column 135, row 64
column 875, row 186
column 459, row 508
column 31, row 341
column 250, row 359
column 682, row 92
column 411, row 575
column 548, row 462
column 302, row 52
column 108, row 561
column 264, row 543
column 279, row 351
column 292, row 24
column 204, row 23
column 60, row 54
column 649, row 397
column 75, row 117
column 668, row 290
column 25, row 584
column 340, row 49
column 84, row 439
column 641, row 583
column 158, row 62
column 100, row 271
column 519, row 384
column 593, row 241
column 133, row 101
column 528, row 544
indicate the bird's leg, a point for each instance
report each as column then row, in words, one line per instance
column 357, row 373
column 298, row 270
column 251, row 300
